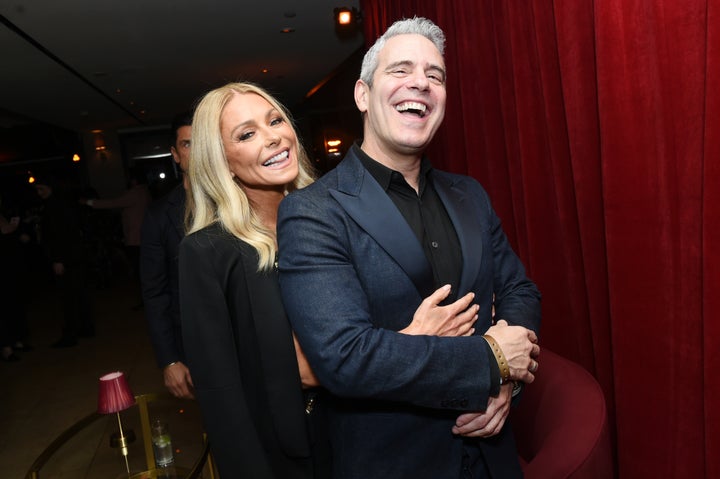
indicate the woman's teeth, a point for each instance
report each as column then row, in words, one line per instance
column 276, row 158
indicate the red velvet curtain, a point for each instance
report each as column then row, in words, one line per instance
column 595, row 127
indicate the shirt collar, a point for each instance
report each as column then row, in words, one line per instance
column 384, row 175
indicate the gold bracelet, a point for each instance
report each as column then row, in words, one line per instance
column 500, row 357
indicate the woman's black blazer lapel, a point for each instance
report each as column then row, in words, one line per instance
column 282, row 379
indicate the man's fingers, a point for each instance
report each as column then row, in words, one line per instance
column 533, row 366
column 525, row 376
column 535, row 351
column 469, row 422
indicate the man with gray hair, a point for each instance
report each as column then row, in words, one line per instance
column 360, row 249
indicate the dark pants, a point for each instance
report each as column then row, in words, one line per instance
column 13, row 320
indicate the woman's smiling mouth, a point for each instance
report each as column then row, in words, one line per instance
column 280, row 157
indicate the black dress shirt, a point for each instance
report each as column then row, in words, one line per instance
column 429, row 219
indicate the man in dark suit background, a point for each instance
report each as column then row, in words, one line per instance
column 162, row 230
column 359, row 250
column 61, row 238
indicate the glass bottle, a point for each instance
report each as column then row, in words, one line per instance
column 162, row 445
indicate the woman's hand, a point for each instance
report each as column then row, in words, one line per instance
column 307, row 376
column 454, row 319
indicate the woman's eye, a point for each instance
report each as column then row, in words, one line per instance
column 276, row 121
column 246, row 136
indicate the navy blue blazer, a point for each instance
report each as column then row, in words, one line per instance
column 352, row 273
column 162, row 231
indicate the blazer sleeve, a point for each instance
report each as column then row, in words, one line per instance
column 517, row 298
column 155, row 282
column 331, row 313
column 210, row 349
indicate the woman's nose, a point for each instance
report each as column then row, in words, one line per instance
column 272, row 138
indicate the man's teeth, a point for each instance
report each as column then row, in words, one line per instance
column 276, row 158
column 411, row 105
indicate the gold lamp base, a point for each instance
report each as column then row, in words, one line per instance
column 122, row 440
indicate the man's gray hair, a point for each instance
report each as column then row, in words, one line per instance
column 417, row 26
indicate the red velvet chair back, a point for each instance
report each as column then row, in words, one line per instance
column 561, row 423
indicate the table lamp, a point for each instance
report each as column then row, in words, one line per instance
column 114, row 395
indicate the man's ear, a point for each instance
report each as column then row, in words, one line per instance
column 362, row 92
column 174, row 153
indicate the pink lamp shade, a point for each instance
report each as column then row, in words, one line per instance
column 114, row 393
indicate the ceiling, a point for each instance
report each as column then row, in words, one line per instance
column 86, row 65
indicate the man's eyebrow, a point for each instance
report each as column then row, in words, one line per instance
column 404, row 63
column 401, row 63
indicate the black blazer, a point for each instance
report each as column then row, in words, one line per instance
column 162, row 231
column 240, row 352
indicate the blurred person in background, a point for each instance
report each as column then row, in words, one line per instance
column 60, row 237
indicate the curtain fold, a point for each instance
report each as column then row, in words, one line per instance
column 594, row 126
column 710, row 241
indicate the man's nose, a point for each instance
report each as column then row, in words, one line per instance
column 419, row 80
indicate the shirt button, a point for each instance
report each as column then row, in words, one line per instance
column 434, row 244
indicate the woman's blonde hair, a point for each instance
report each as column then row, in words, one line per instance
column 214, row 196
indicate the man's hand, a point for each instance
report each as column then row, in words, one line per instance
column 519, row 346
column 489, row 422
column 178, row 381
column 454, row 319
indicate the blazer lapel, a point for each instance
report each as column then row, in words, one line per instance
column 364, row 200
column 467, row 227
column 280, row 368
